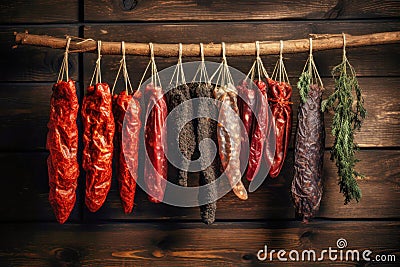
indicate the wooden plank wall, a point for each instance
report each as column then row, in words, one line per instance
column 160, row 235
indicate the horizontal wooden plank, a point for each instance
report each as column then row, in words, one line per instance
column 24, row 194
column 156, row 10
column 28, row 63
column 38, row 11
column 25, row 115
column 383, row 56
column 272, row 200
column 174, row 244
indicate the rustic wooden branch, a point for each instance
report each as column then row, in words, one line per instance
column 320, row 42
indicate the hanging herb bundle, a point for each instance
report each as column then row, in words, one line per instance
column 349, row 114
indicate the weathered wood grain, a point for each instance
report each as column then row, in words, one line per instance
column 364, row 60
column 24, row 194
column 242, row 31
column 26, row 63
column 39, row 11
column 24, row 116
column 156, row 10
column 175, row 244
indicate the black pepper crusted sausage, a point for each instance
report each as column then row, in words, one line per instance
column 309, row 155
column 207, row 128
column 187, row 140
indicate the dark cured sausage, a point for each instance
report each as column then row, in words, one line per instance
column 309, row 155
column 207, row 128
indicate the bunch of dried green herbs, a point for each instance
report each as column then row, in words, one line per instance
column 349, row 113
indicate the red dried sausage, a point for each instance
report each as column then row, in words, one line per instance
column 62, row 143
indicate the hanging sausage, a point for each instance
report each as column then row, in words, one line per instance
column 155, row 134
column 62, row 143
column 178, row 93
column 259, row 129
column 228, row 128
column 206, row 128
column 307, row 184
column 126, row 111
column 279, row 94
column 98, row 134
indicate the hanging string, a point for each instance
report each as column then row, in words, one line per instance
column 224, row 78
column 64, row 64
column 202, row 52
column 344, row 46
column 259, row 64
column 125, row 72
column 312, row 68
column 155, row 78
column 202, row 69
column 124, row 69
column 280, row 70
column 310, row 61
column 280, row 60
column 178, row 69
column 258, row 59
column 97, row 70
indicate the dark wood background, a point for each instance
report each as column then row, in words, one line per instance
column 160, row 235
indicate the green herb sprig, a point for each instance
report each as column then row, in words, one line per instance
column 304, row 85
column 346, row 120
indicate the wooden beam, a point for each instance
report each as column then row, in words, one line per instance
column 320, row 42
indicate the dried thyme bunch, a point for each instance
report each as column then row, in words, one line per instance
column 346, row 120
